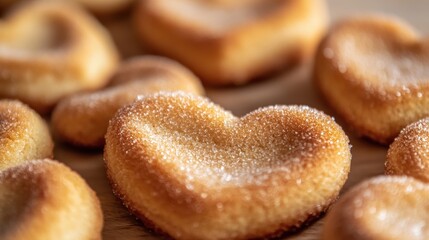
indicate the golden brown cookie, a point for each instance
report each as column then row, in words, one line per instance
column 373, row 70
column 387, row 207
column 409, row 153
column 195, row 171
column 44, row 199
column 24, row 135
column 82, row 119
column 232, row 42
column 49, row 50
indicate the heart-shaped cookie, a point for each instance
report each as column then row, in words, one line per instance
column 195, row 171
column 82, row 119
column 232, row 42
column 373, row 70
column 385, row 207
column 50, row 50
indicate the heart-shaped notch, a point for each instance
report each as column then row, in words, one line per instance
column 197, row 172
column 373, row 70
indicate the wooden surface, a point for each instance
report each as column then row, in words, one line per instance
column 290, row 87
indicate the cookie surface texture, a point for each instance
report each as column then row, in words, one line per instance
column 195, row 171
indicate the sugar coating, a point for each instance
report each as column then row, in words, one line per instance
column 386, row 207
column 44, row 199
column 409, row 153
column 8, row 121
column 192, row 159
column 219, row 147
column 23, row 134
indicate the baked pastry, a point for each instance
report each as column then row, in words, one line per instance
column 24, row 135
column 40, row 199
column 409, row 153
column 194, row 171
column 49, row 50
column 232, row 42
column 373, row 71
column 82, row 119
column 44, row 199
column 384, row 207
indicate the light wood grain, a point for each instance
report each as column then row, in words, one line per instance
column 291, row 87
